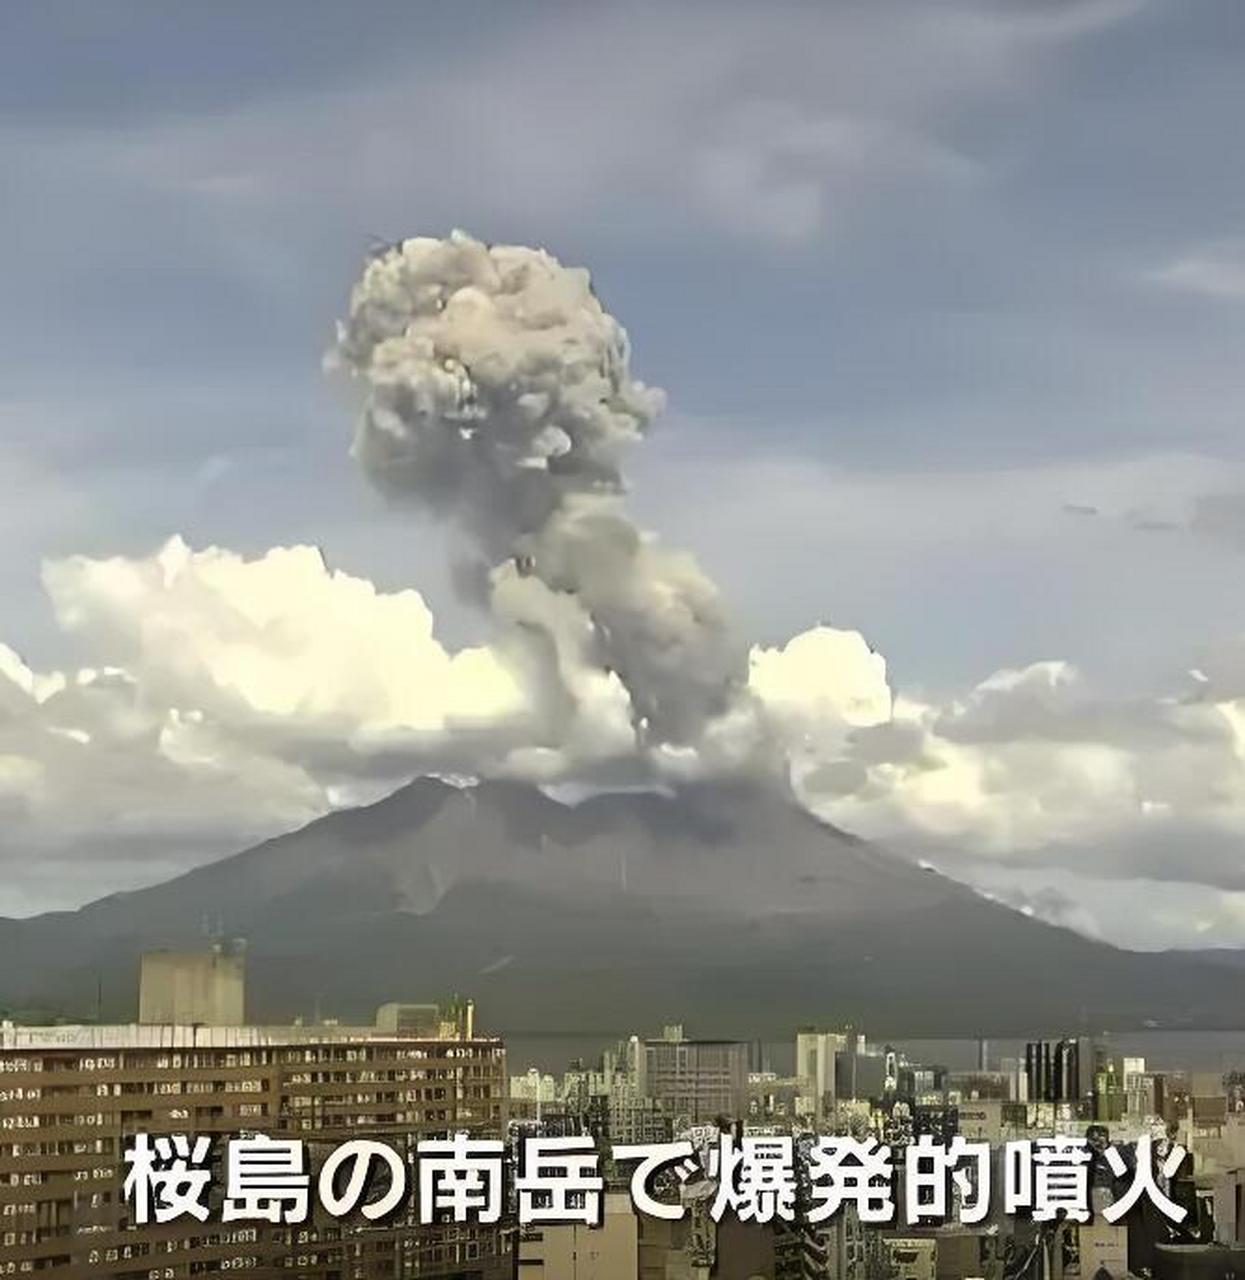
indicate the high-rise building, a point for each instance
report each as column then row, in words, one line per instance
column 72, row 1097
column 815, row 1063
column 861, row 1072
column 697, row 1081
column 1060, row 1071
column 634, row 1117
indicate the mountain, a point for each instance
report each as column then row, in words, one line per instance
column 725, row 907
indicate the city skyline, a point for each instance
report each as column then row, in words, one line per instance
column 670, row 1156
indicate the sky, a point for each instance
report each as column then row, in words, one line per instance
column 947, row 301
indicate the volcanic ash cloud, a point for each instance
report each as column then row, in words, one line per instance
column 497, row 393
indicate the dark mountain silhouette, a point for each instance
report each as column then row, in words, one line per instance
column 727, row 907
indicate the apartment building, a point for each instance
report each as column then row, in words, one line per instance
column 71, row 1097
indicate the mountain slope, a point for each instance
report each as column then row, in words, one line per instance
column 724, row 907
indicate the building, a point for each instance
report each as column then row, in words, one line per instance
column 863, row 1073
column 633, row 1117
column 696, row 1081
column 1061, row 1071
column 775, row 1102
column 969, row 1253
column 428, row 1020
column 1198, row 1262
column 803, row 1252
column 913, row 1258
column 1103, row 1247
column 573, row 1251
column 816, row 1055
column 1229, row 1206
column 688, row 1250
column 73, row 1096
column 189, row 988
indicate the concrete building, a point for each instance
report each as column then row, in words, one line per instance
column 1062, row 1071
column 774, row 1102
column 635, row 1117
column 861, row 1073
column 572, row 1251
column 189, row 988
column 73, row 1096
column 1198, row 1262
column 738, row 1251
column 1017, row 1079
column 1228, row 1189
column 816, row 1054
column 660, row 1252
column 696, row 1080
column 913, row 1258
column 1103, row 1247
column 969, row 1253
column 981, row 1121
column 420, row 1019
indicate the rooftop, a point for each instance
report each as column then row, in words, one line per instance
column 133, row 1035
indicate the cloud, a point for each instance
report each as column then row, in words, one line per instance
column 1220, row 516
column 780, row 172
column 1033, row 768
column 95, row 776
column 280, row 639
column 780, row 123
column 231, row 698
column 818, row 688
column 1150, row 915
column 1213, row 270
column 496, row 392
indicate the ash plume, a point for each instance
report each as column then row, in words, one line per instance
column 497, row 393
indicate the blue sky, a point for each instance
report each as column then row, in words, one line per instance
column 948, row 298
column 951, row 269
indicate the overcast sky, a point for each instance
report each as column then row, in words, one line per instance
column 947, row 298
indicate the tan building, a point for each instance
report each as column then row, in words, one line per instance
column 571, row 1251
column 1103, row 1247
column 1228, row 1191
column 816, row 1055
column 70, row 1097
column 738, row 1251
column 982, row 1120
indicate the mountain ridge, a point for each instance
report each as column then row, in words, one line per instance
column 726, row 907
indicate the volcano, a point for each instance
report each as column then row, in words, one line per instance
column 727, row 907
